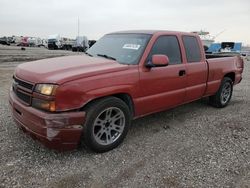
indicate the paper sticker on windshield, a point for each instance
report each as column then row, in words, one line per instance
column 131, row 46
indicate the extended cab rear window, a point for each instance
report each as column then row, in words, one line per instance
column 192, row 49
column 167, row 45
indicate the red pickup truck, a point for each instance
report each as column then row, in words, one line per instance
column 92, row 98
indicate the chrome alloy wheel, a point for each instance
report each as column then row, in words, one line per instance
column 108, row 126
column 226, row 93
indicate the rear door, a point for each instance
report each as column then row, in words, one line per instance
column 196, row 68
column 163, row 87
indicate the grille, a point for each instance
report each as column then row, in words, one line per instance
column 23, row 90
column 23, row 84
column 23, row 96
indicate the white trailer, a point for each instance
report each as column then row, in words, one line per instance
column 81, row 44
column 57, row 42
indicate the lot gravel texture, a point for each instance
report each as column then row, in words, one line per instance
column 194, row 145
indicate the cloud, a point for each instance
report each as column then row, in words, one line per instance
column 97, row 17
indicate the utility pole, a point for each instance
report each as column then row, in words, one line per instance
column 78, row 27
column 78, row 30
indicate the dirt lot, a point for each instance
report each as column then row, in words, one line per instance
column 194, row 145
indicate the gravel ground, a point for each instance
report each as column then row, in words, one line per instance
column 194, row 145
column 15, row 54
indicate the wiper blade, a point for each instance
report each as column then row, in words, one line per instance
column 106, row 56
column 88, row 54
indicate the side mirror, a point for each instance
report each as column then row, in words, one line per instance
column 159, row 61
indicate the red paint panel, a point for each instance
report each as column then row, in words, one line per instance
column 161, row 88
column 196, row 80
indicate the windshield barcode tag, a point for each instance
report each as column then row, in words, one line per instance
column 131, row 46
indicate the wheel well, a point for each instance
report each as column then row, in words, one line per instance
column 231, row 75
column 127, row 99
column 123, row 96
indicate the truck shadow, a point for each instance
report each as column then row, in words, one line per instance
column 167, row 119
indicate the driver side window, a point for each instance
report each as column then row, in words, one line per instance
column 167, row 45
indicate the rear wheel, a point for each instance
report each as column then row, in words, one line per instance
column 223, row 95
column 106, row 125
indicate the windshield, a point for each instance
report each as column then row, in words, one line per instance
column 124, row 48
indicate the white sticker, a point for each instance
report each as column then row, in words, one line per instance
column 131, row 46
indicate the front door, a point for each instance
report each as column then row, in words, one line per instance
column 163, row 87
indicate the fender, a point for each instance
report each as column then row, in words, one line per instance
column 77, row 98
column 109, row 91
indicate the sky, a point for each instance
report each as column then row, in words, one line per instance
column 40, row 18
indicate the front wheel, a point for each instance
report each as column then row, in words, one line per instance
column 223, row 96
column 107, row 124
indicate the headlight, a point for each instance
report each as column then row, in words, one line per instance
column 46, row 89
column 44, row 105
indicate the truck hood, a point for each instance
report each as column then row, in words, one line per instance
column 63, row 69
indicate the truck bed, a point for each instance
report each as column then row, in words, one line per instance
column 223, row 65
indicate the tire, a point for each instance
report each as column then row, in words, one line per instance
column 107, row 123
column 223, row 96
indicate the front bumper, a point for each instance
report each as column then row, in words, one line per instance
column 60, row 131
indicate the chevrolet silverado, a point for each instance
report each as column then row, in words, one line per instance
column 93, row 98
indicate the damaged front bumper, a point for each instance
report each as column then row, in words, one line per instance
column 60, row 131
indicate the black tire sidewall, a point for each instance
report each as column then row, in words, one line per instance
column 93, row 111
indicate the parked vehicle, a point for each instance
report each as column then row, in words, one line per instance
column 35, row 42
column 45, row 43
column 126, row 75
column 56, row 42
column 206, row 38
column 17, row 40
column 4, row 41
column 81, row 44
column 91, row 43
column 67, row 43
column 11, row 39
column 23, row 41
column 225, row 47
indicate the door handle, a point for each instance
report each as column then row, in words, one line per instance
column 182, row 72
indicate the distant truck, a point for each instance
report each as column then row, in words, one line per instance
column 5, row 41
column 45, row 43
column 81, row 44
column 17, row 40
column 35, row 42
column 92, row 98
column 225, row 47
column 91, row 43
column 23, row 41
column 56, row 42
